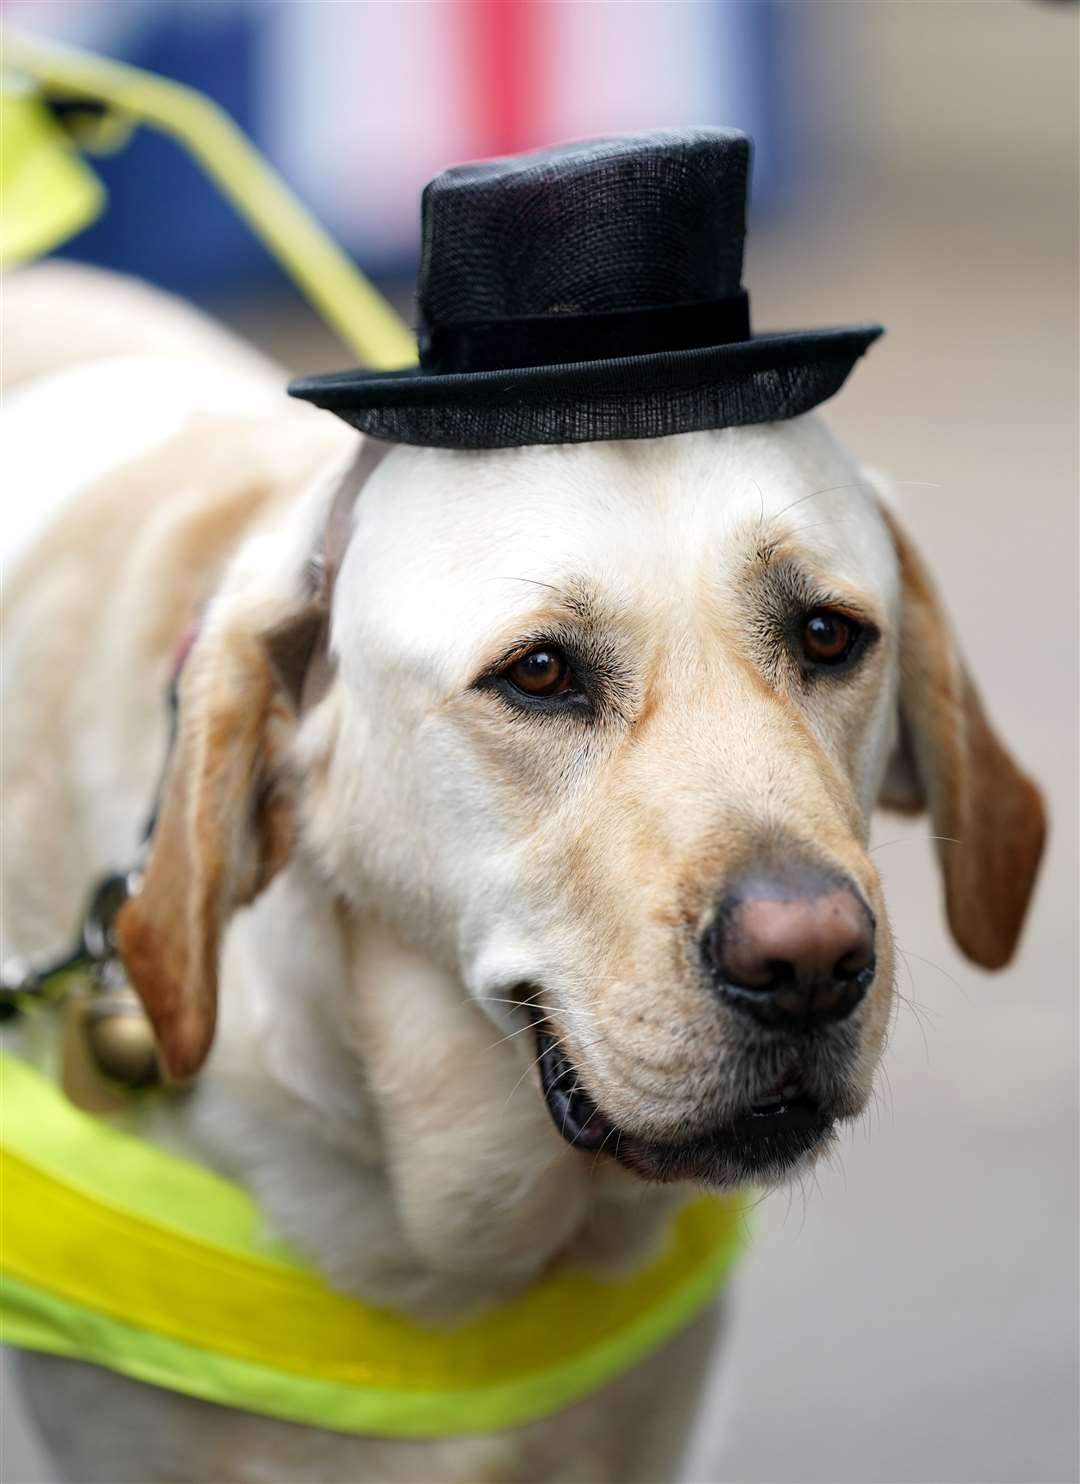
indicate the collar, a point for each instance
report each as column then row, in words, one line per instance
column 121, row 1254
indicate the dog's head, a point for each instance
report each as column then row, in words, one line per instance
column 607, row 728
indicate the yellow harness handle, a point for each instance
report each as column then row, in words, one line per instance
column 333, row 283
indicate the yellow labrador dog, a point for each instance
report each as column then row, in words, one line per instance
column 552, row 850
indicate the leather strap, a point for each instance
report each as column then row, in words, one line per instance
column 299, row 648
column 338, row 526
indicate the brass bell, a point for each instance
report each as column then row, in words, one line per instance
column 120, row 1039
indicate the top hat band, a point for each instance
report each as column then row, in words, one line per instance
column 560, row 339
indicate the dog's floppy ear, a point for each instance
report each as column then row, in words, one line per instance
column 225, row 822
column 950, row 762
column 224, row 826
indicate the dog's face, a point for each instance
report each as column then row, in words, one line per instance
column 631, row 698
column 616, row 719
column 609, row 726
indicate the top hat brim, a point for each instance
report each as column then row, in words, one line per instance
column 764, row 379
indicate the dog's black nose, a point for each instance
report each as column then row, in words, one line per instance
column 793, row 953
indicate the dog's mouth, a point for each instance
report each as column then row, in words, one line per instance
column 764, row 1142
column 576, row 1116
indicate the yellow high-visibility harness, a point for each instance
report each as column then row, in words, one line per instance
column 116, row 1252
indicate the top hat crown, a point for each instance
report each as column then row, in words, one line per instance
column 590, row 291
column 587, row 229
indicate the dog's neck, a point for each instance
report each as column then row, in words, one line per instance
column 385, row 1128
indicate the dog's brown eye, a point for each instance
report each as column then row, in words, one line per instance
column 828, row 638
column 541, row 672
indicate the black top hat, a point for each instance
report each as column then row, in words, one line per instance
column 586, row 292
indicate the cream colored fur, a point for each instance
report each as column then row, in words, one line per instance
column 370, row 1076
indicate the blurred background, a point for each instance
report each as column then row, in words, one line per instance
column 912, row 1314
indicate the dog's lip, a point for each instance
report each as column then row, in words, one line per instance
column 575, row 1115
column 772, row 1134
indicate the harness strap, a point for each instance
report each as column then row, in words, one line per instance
column 300, row 648
column 119, row 1253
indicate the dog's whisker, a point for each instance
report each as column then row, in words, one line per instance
column 576, row 1013
column 891, row 1099
column 603, row 1143
column 831, row 1156
column 831, row 489
column 494, row 999
column 813, row 1174
column 503, row 1040
column 748, row 1210
column 588, row 1013
column 583, row 1018
column 533, row 581
column 584, row 1046
column 894, row 1007
column 531, row 1024
column 873, row 1108
column 912, row 1006
column 818, row 525
column 910, row 839
column 805, row 1203
column 534, row 1063
column 910, row 952
column 924, row 1012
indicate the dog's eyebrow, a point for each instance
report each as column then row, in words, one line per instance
column 573, row 605
column 788, row 582
column 574, row 598
column 574, row 616
column 583, row 605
